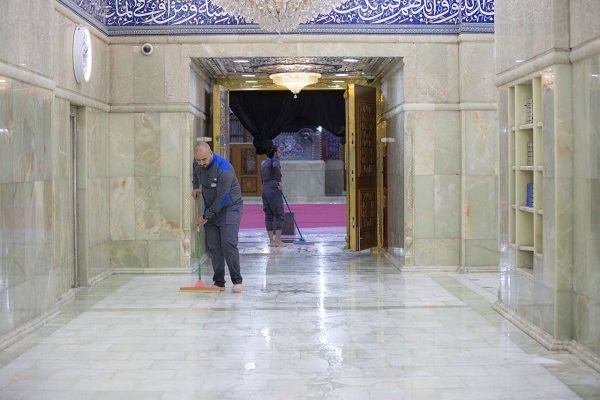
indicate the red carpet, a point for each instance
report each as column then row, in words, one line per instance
column 307, row 215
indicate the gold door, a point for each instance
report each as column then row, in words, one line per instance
column 220, row 126
column 361, row 164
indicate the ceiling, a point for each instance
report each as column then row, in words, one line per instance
column 238, row 72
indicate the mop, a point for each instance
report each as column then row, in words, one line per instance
column 301, row 240
column 200, row 287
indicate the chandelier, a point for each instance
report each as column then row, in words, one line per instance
column 277, row 15
column 295, row 81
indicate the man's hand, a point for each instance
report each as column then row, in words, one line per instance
column 195, row 193
column 279, row 185
column 200, row 222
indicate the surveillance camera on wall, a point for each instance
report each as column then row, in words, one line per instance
column 147, row 49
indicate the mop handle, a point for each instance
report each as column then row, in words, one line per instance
column 293, row 217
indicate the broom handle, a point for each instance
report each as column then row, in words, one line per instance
column 198, row 243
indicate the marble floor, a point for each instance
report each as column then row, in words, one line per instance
column 314, row 322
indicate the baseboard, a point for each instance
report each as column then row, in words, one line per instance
column 20, row 332
column 537, row 333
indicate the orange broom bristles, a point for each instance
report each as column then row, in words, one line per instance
column 200, row 287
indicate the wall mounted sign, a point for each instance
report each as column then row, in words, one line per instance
column 82, row 54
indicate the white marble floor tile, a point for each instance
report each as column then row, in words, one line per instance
column 313, row 322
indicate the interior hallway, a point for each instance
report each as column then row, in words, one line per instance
column 314, row 321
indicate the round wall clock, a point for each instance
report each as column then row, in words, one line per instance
column 82, row 54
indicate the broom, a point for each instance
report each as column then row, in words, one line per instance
column 199, row 287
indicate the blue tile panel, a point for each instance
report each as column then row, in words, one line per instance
column 354, row 16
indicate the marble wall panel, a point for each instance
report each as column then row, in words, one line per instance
column 481, row 253
column 447, row 149
column 521, row 36
column 177, row 81
column 122, row 208
column 61, row 142
column 423, row 125
column 63, row 232
column 503, row 161
column 147, row 208
column 424, row 206
column 163, row 254
column 7, row 124
column 23, row 151
column 481, row 207
column 98, row 143
column 29, row 46
column 171, row 126
column 447, row 212
column 436, row 252
column 481, row 142
column 129, row 254
column 121, row 73
column 395, row 179
column 149, row 76
column 122, row 144
column 198, row 91
column 586, row 187
column 303, row 178
column 583, row 19
column 170, row 209
column 98, row 210
column 477, row 72
column 440, row 84
column 99, row 258
column 393, row 90
column 147, row 144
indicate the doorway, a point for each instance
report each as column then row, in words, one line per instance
column 360, row 160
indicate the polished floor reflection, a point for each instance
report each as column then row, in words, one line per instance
column 313, row 322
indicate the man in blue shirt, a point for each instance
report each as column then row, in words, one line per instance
column 223, row 208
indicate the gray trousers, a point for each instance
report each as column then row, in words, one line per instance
column 222, row 240
column 273, row 208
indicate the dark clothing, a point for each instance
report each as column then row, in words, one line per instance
column 223, row 207
column 270, row 171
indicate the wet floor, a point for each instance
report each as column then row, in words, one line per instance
column 314, row 322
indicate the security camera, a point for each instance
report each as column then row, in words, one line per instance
column 147, row 49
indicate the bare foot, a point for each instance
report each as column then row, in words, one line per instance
column 281, row 244
column 272, row 244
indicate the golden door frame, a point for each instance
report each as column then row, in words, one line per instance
column 220, row 105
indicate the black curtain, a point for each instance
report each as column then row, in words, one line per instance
column 265, row 114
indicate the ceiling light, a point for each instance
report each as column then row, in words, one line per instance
column 248, row 75
column 241, row 61
column 295, row 81
column 351, row 60
column 341, row 74
column 277, row 15
column 251, row 81
column 337, row 82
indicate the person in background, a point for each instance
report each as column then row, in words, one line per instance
column 270, row 172
column 223, row 206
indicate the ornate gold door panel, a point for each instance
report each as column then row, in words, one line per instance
column 362, row 167
column 220, row 113
column 246, row 164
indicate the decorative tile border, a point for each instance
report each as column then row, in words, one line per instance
column 182, row 17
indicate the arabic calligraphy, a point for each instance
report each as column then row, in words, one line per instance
column 352, row 12
column 96, row 8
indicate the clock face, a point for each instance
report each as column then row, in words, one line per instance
column 82, row 54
